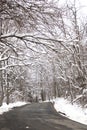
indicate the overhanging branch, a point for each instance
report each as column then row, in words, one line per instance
column 34, row 39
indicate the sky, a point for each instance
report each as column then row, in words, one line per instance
column 73, row 112
column 81, row 4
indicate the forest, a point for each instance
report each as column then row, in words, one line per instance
column 43, row 51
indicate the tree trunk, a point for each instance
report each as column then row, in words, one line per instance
column 1, row 86
column 43, row 95
column 7, row 94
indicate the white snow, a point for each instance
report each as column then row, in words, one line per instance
column 63, row 106
column 5, row 107
column 73, row 112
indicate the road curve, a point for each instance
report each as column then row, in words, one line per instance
column 37, row 116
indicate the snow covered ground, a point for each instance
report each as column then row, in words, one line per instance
column 5, row 107
column 74, row 112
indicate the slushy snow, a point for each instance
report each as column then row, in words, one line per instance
column 73, row 112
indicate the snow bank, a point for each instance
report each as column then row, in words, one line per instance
column 5, row 107
column 74, row 112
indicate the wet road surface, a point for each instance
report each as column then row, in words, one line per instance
column 37, row 116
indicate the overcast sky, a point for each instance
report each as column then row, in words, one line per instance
column 83, row 3
column 80, row 3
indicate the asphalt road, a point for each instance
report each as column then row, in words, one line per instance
column 37, row 116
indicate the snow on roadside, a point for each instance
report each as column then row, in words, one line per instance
column 5, row 107
column 73, row 112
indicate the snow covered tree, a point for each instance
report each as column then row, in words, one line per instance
column 46, row 39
